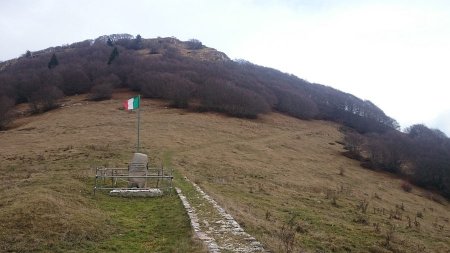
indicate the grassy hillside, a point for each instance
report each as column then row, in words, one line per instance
column 46, row 198
column 187, row 74
column 265, row 172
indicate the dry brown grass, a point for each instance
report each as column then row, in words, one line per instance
column 39, row 218
column 276, row 163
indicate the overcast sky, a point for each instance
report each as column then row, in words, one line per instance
column 394, row 53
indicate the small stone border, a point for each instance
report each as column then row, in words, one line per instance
column 208, row 241
column 153, row 192
column 240, row 242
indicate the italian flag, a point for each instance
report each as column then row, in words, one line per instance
column 132, row 103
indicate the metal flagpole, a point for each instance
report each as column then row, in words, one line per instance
column 139, row 121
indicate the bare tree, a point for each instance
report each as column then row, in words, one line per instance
column 194, row 44
column 103, row 87
column 296, row 104
column 75, row 80
column 101, row 91
column 45, row 98
column 222, row 96
column 6, row 104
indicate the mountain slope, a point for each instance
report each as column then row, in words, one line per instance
column 188, row 74
column 264, row 172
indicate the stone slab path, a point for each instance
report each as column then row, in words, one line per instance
column 215, row 227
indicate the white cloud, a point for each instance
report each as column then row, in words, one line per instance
column 394, row 53
column 442, row 122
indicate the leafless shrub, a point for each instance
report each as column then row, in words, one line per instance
column 436, row 198
column 377, row 227
column 416, row 223
column 376, row 196
column 194, row 44
column 395, row 214
column 389, row 236
column 45, row 98
column 363, row 205
column 179, row 91
column 103, row 87
column 75, row 80
column 406, row 186
column 343, row 190
column 287, row 234
column 333, row 196
column 222, row 96
column 361, row 219
column 353, row 142
column 401, row 206
column 420, row 248
column 6, row 105
column 296, row 104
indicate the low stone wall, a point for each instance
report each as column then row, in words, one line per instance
column 136, row 193
column 219, row 234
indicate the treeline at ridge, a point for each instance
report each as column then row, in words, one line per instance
column 187, row 74
column 190, row 75
column 420, row 155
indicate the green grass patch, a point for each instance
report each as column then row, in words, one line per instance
column 202, row 206
column 52, row 209
column 327, row 232
column 146, row 225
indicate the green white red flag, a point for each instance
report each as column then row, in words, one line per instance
column 132, row 103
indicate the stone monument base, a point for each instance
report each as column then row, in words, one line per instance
column 136, row 193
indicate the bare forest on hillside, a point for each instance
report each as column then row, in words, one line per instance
column 192, row 76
